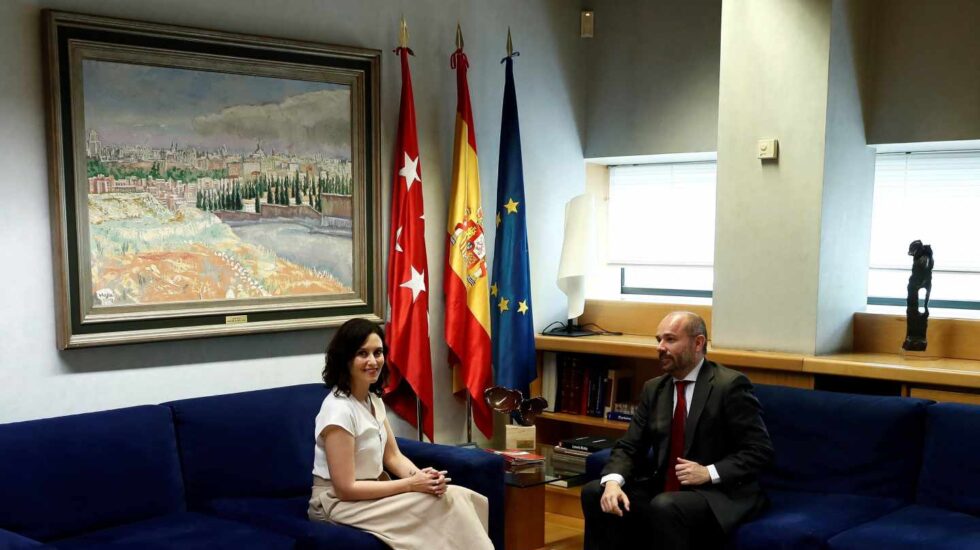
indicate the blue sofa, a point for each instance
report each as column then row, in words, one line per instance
column 227, row 471
column 857, row 471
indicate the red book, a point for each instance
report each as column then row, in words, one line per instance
column 517, row 456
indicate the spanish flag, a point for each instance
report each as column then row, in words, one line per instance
column 465, row 279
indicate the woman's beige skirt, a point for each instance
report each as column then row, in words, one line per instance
column 457, row 520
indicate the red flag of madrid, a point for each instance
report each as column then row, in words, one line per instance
column 409, row 361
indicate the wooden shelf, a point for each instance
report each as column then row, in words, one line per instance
column 643, row 346
column 627, row 345
column 774, row 360
column 571, row 491
column 585, row 420
column 957, row 373
column 565, row 502
column 909, row 369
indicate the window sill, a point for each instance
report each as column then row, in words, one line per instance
column 934, row 312
column 653, row 299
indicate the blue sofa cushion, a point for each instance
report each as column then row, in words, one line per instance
column 950, row 475
column 474, row 469
column 595, row 462
column 185, row 530
column 828, row 442
column 914, row 527
column 105, row 468
column 288, row 516
column 13, row 541
column 801, row 521
column 251, row 444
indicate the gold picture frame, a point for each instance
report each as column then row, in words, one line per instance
column 206, row 183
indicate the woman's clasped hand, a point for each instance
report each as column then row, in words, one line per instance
column 430, row 481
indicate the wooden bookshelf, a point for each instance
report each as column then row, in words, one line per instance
column 564, row 501
column 950, row 369
column 585, row 420
column 909, row 369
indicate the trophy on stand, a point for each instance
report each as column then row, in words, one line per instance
column 522, row 411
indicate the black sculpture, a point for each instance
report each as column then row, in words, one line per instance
column 917, row 321
column 523, row 411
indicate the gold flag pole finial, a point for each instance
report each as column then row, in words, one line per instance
column 459, row 37
column 403, row 34
column 510, row 44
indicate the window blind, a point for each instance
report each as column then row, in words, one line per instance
column 662, row 214
column 933, row 197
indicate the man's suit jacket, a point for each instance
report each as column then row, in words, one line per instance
column 724, row 427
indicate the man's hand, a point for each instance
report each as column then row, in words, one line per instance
column 612, row 497
column 691, row 473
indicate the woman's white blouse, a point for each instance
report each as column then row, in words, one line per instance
column 368, row 430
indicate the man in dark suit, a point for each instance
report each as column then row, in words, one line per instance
column 708, row 443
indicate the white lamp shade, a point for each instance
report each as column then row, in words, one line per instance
column 577, row 252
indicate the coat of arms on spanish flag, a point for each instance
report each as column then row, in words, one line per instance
column 466, row 283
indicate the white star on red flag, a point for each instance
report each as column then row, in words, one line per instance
column 416, row 283
column 410, row 171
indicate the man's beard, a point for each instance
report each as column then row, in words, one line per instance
column 678, row 362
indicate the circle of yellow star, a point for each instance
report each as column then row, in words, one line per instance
column 522, row 307
column 511, row 206
column 503, row 305
column 498, row 218
column 493, row 289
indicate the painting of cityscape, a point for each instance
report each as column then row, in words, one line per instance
column 211, row 186
column 207, row 183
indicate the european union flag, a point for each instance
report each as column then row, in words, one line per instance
column 512, row 331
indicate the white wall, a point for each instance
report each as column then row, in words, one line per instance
column 774, row 67
column 926, row 71
column 653, row 84
column 654, row 69
column 37, row 380
column 848, row 183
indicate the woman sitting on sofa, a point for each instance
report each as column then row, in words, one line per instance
column 355, row 446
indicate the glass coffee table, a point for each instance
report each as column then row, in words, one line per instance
column 539, row 474
column 524, row 501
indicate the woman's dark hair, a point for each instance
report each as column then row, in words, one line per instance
column 348, row 339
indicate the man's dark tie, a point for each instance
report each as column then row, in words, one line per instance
column 676, row 437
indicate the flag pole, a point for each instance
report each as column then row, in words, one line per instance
column 403, row 43
column 469, row 418
column 403, row 34
column 469, row 398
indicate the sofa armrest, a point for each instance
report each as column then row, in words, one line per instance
column 596, row 462
column 474, row 469
column 13, row 541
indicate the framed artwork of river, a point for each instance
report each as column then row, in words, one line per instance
column 206, row 183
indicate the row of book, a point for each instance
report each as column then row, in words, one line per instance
column 573, row 383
